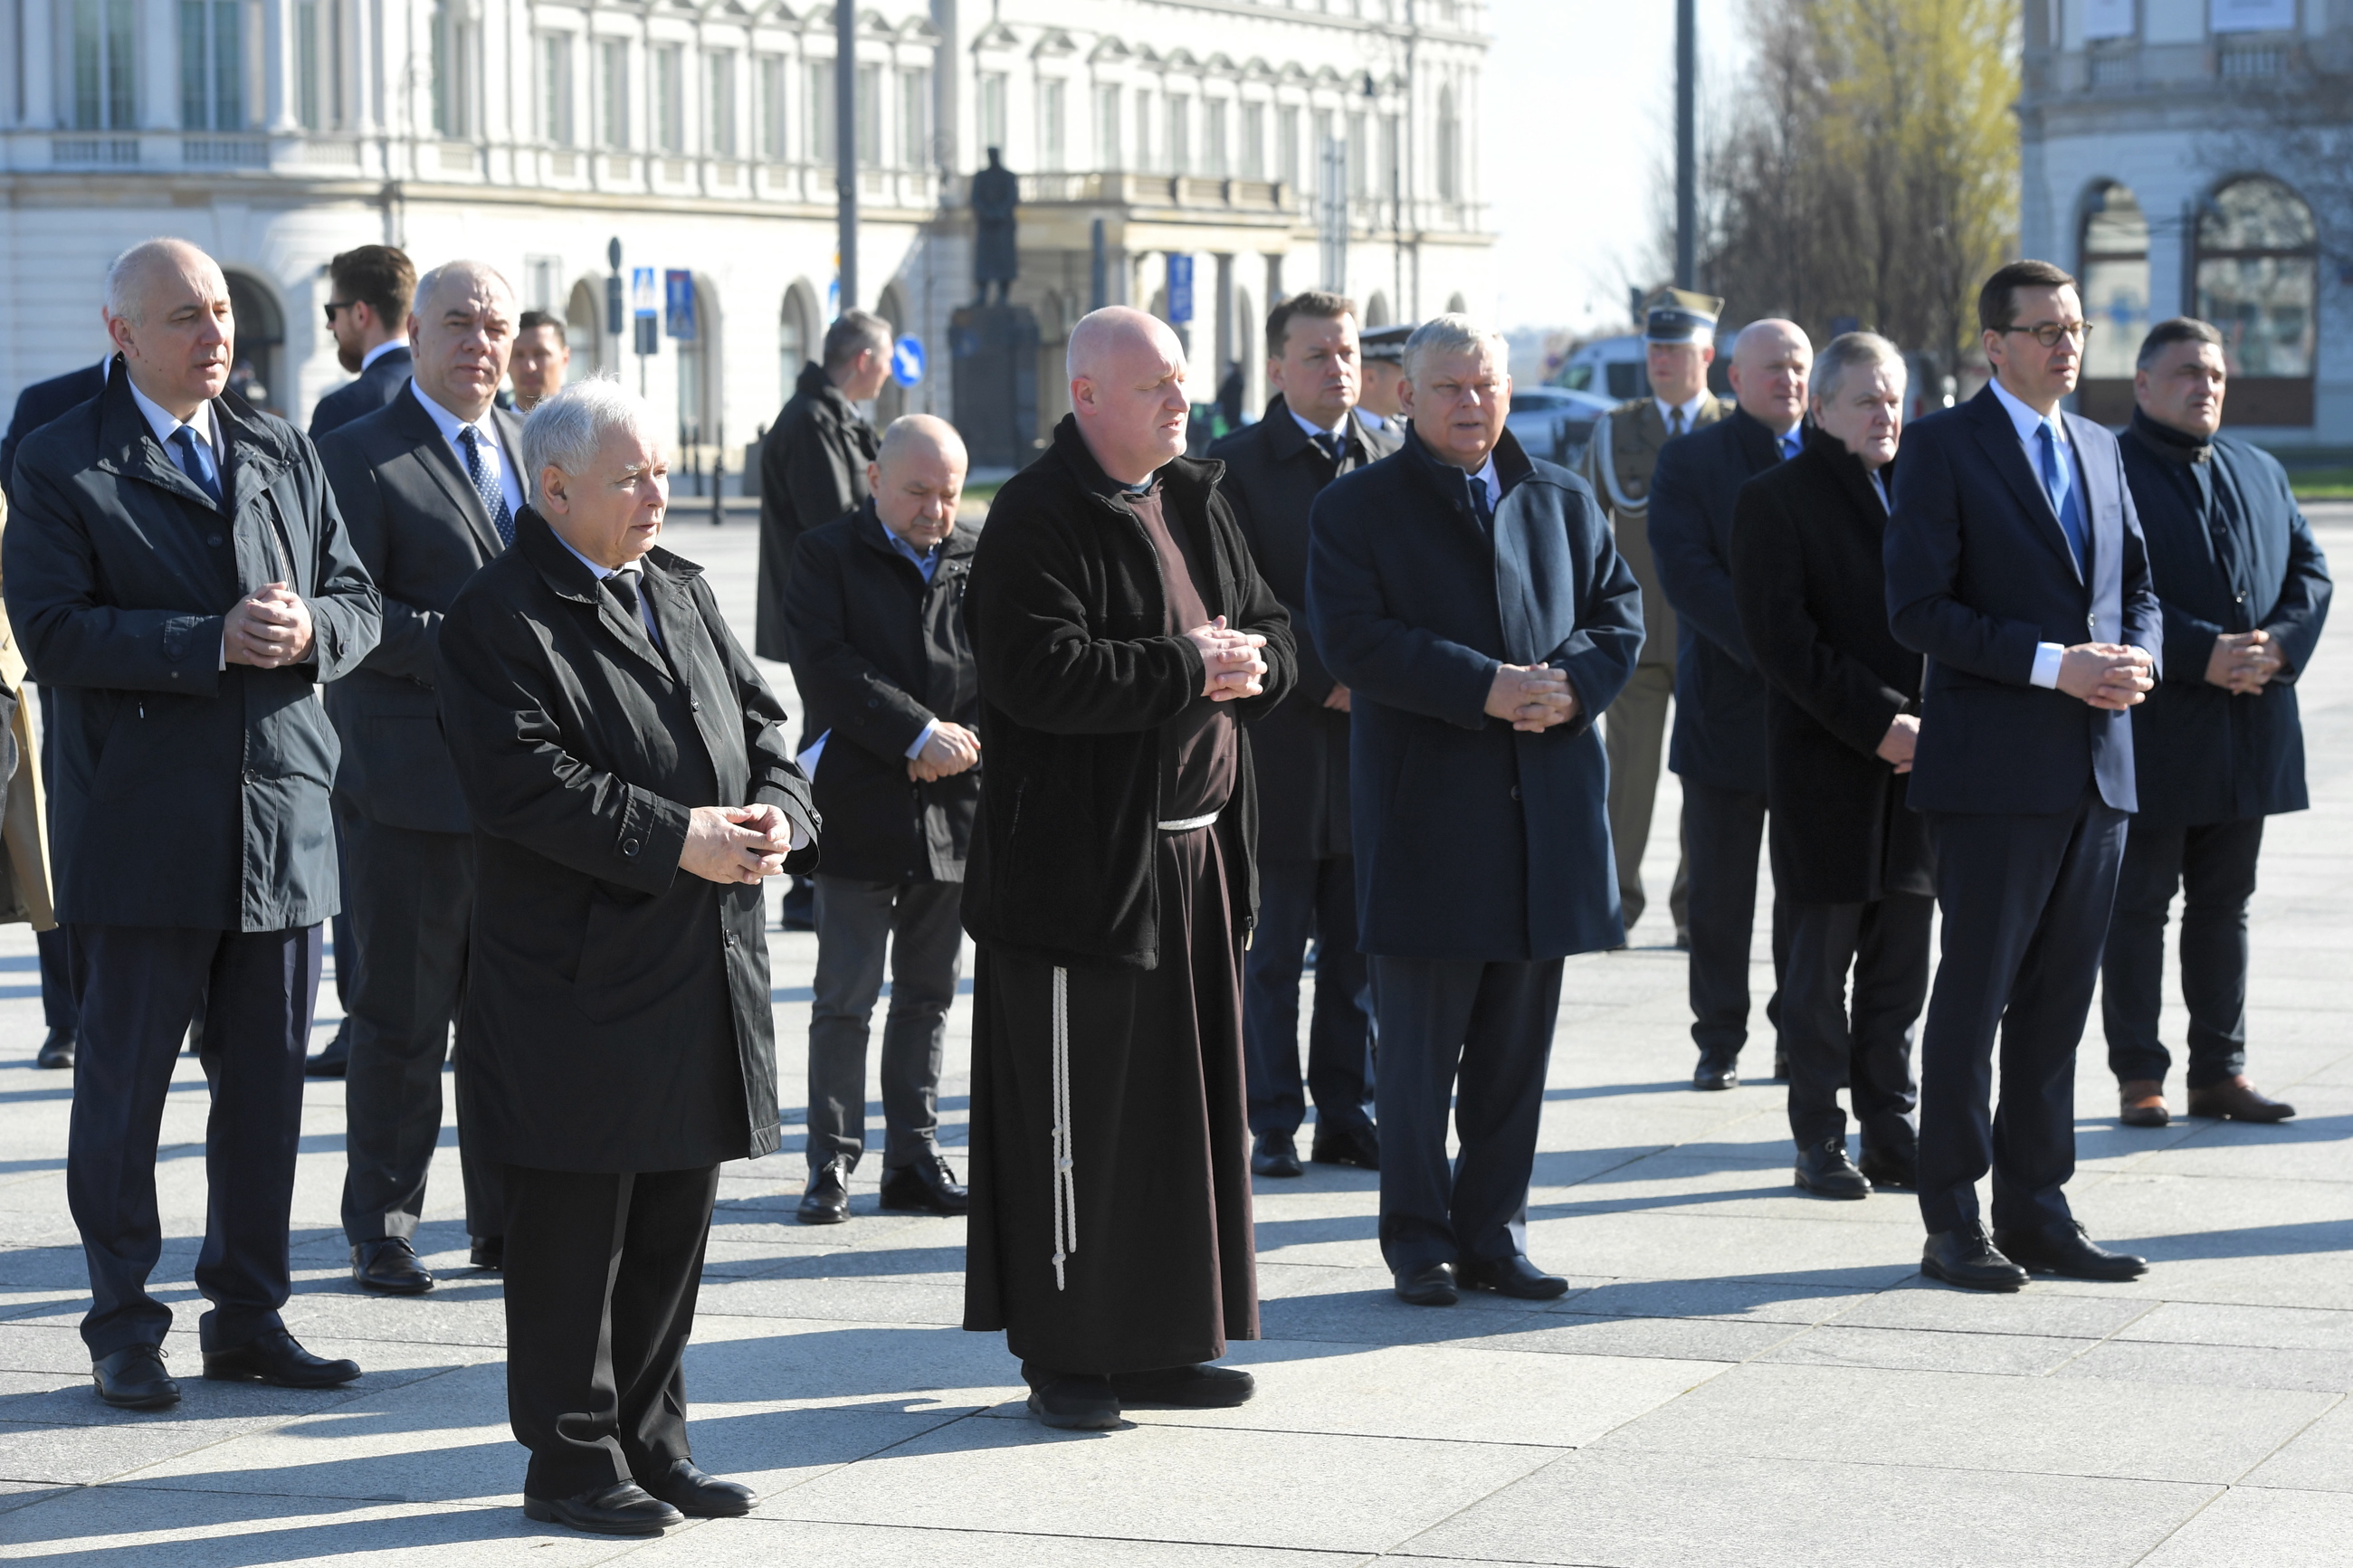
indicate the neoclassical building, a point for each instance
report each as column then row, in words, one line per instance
column 1277, row 143
column 2145, row 171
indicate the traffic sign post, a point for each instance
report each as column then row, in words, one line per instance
column 647, row 302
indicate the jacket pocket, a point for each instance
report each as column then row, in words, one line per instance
column 634, row 953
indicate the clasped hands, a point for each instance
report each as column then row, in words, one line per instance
column 1532, row 697
column 2243, row 663
column 951, row 750
column 1230, row 658
column 270, row 628
column 2107, row 675
column 735, row 843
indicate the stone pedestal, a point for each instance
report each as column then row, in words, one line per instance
column 996, row 353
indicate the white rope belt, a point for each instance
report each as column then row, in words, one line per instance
column 1186, row 824
column 1066, row 1179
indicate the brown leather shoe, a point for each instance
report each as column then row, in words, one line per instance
column 2144, row 1102
column 2236, row 1100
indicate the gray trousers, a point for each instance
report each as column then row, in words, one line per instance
column 855, row 922
column 1634, row 734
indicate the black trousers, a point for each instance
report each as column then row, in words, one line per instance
column 2213, row 865
column 2026, row 903
column 140, row 984
column 1476, row 1035
column 1867, row 1042
column 602, row 1271
column 411, row 897
column 856, row 922
column 1724, row 830
column 1300, row 900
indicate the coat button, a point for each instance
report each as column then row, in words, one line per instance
column 213, row 539
column 1515, row 791
column 2091, row 624
column 250, row 776
column 695, row 703
column 628, row 846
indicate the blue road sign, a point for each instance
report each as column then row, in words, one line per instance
column 907, row 360
column 677, row 302
column 643, row 299
column 1180, row 287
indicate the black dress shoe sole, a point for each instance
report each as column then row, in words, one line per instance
column 218, row 1371
column 1435, row 1296
column 388, row 1288
column 552, row 1513
column 1284, row 1169
column 143, row 1401
column 725, row 1506
column 1842, row 1192
column 821, row 1217
column 2005, row 1285
column 1097, row 1420
column 1551, row 1290
column 2117, row 1273
column 927, row 1203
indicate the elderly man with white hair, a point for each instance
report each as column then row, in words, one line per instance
column 1473, row 602
column 631, row 785
column 1125, row 638
column 179, row 576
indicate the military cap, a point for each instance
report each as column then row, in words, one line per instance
column 1385, row 344
column 1680, row 316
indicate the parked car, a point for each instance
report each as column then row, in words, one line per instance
column 1555, row 424
column 1614, row 369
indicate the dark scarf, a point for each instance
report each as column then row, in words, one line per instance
column 2174, row 445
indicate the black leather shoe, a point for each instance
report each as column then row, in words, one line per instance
column 275, row 1358
column 331, row 1061
column 698, row 1494
column 133, row 1378
column 390, row 1266
column 1824, row 1171
column 928, row 1184
column 1513, row 1276
column 1358, row 1146
column 2067, row 1249
column 57, row 1051
column 488, row 1254
column 1072, row 1401
column 1884, row 1169
column 1202, row 1387
column 1968, row 1259
column 826, row 1201
column 621, row 1510
column 1716, row 1071
column 1275, row 1154
column 1432, row 1285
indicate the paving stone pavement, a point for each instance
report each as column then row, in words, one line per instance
column 1740, row 1374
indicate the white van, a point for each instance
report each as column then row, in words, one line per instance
column 1615, row 368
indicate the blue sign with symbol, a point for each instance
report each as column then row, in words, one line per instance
column 907, row 360
column 643, row 300
column 677, row 302
column 1180, row 288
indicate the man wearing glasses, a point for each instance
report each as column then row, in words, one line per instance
column 2015, row 562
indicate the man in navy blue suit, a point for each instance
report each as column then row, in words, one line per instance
column 2015, row 562
column 369, row 289
column 1718, row 750
column 1473, row 601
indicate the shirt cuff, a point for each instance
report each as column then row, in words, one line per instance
column 800, row 839
column 921, row 742
column 224, row 663
column 2045, row 674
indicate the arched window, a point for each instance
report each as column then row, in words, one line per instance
column 797, row 334
column 2113, row 268
column 584, row 330
column 257, row 360
column 2258, row 278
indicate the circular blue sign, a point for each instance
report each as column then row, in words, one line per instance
column 907, row 360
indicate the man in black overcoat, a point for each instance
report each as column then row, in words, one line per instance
column 1719, row 747
column 176, row 570
column 1851, row 864
column 1306, row 871
column 1125, row 638
column 2218, row 746
column 630, row 784
column 369, row 291
column 1473, row 602
column 880, row 656
column 430, row 485
column 813, row 461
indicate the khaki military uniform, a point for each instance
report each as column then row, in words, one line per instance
column 1619, row 462
column 24, row 838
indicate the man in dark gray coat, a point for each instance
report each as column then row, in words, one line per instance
column 177, row 571
column 630, row 784
column 813, row 461
column 429, row 486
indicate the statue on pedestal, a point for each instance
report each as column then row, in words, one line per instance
column 996, row 255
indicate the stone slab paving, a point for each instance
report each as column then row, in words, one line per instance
column 1739, row 1375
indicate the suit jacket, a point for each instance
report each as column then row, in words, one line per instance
column 2229, row 551
column 812, row 469
column 1301, row 748
column 420, row 529
column 40, row 403
column 878, row 653
column 1807, row 570
column 1979, row 571
column 1620, row 460
column 1474, row 840
column 616, row 1013
column 378, row 385
column 187, row 793
column 1719, row 736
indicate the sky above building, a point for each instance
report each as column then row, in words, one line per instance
column 1579, row 119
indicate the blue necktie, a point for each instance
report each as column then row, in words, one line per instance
column 1790, row 445
column 196, row 462
column 2060, row 485
column 494, row 499
column 1480, row 503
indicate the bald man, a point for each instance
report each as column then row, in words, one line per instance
column 874, row 605
column 430, row 483
column 1124, row 640
column 1719, row 747
column 178, row 574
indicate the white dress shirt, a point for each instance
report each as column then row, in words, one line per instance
column 486, row 436
column 381, row 350
column 2029, row 425
column 166, row 424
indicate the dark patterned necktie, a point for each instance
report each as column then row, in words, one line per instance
column 1674, row 422
column 1332, row 443
column 494, row 499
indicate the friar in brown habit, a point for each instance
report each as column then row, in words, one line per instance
column 1125, row 642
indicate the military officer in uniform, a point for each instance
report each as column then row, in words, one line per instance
column 1382, row 355
column 1679, row 337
